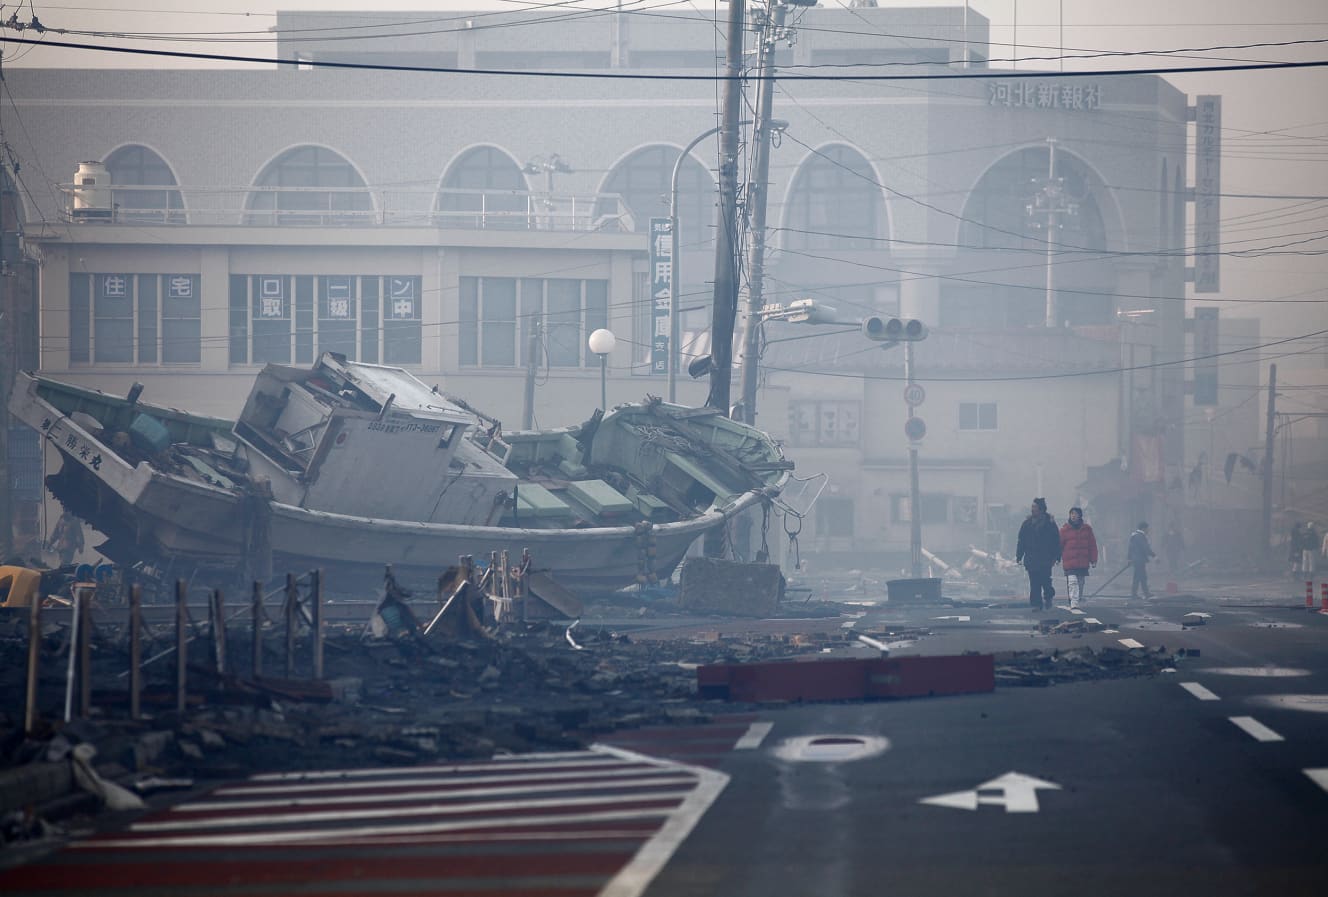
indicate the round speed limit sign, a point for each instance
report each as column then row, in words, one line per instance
column 914, row 394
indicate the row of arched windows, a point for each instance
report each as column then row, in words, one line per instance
column 832, row 203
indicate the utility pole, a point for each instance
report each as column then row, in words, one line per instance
column 8, row 352
column 724, row 308
column 770, row 32
column 1268, row 464
column 532, row 366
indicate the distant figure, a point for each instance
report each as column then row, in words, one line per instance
column 1173, row 545
column 1038, row 549
column 1140, row 552
column 1309, row 549
column 1296, row 548
column 67, row 538
column 1078, row 553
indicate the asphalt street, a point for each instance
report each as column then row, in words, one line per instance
column 1209, row 780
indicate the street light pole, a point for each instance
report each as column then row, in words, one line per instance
column 914, row 494
column 601, row 342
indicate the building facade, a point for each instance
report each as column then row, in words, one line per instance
column 195, row 225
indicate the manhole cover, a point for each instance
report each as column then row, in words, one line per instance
column 830, row 748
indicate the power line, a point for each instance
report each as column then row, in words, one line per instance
column 968, row 75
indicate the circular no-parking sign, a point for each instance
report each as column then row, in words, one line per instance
column 914, row 428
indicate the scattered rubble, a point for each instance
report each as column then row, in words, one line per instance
column 390, row 695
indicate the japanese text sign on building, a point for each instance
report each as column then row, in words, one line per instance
column 180, row 286
column 338, row 297
column 272, row 297
column 402, row 293
column 1207, row 193
column 661, row 292
column 1025, row 93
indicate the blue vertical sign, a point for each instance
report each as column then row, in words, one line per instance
column 661, row 292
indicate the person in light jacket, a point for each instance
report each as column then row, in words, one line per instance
column 1038, row 549
column 1140, row 552
column 1078, row 554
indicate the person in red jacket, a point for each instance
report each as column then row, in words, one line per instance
column 1078, row 553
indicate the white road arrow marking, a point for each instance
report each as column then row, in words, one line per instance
column 1130, row 643
column 1018, row 794
column 954, row 617
column 1198, row 614
column 1318, row 777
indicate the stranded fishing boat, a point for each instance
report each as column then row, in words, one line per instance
column 351, row 466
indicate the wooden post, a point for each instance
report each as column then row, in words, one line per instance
column 218, row 631
column 85, row 654
column 257, row 644
column 181, row 645
column 316, row 588
column 135, row 651
column 292, row 606
column 34, row 658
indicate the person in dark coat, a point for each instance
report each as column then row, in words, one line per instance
column 1038, row 549
column 1140, row 552
column 1078, row 553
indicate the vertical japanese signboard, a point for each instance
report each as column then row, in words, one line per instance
column 661, row 292
column 1205, row 362
column 1207, row 192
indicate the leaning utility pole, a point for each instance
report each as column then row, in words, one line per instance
column 768, row 34
column 724, row 308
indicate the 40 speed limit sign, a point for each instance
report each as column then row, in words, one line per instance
column 914, row 394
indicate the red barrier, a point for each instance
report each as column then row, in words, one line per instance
column 844, row 679
column 1309, row 595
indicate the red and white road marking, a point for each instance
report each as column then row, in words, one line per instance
column 596, row 822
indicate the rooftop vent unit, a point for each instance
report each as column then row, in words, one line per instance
column 92, row 192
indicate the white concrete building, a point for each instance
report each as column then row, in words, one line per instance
column 424, row 218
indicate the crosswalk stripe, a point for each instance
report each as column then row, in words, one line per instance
column 1255, row 729
column 1199, row 691
column 755, row 734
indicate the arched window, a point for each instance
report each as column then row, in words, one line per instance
column 132, row 166
column 644, row 180
column 310, row 185
column 835, row 203
column 1009, row 209
column 484, row 188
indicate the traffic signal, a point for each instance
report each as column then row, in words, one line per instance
column 893, row 330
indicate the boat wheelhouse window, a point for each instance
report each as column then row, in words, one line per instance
column 496, row 314
column 446, row 433
column 145, row 319
column 274, row 318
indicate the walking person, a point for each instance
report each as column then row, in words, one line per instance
column 1140, row 552
column 1309, row 552
column 1038, row 549
column 1078, row 554
column 1296, row 548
